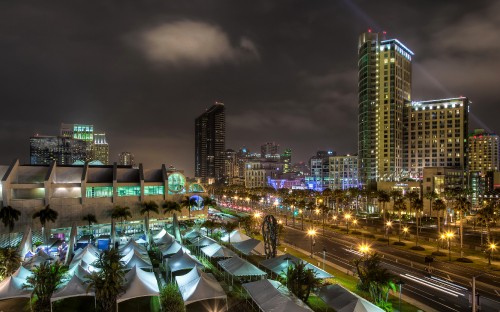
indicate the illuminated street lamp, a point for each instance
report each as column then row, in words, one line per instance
column 491, row 248
column 442, row 237
column 355, row 222
column 312, row 233
column 347, row 217
column 405, row 231
column 335, row 219
column 364, row 248
column 449, row 236
column 387, row 226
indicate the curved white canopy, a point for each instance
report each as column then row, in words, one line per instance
column 198, row 286
column 12, row 287
column 139, row 284
column 74, row 288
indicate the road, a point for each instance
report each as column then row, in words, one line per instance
column 444, row 293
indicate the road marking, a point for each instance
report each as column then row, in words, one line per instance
column 431, row 285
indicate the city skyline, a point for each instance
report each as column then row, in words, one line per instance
column 291, row 78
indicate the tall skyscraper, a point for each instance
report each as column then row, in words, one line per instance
column 384, row 82
column 210, row 144
column 269, row 150
column 77, row 131
column 63, row 150
column 100, row 148
column 483, row 151
column 126, row 159
column 286, row 159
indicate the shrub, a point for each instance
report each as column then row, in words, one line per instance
column 171, row 299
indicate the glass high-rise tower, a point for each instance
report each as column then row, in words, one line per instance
column 384, row 86
column 210, row 144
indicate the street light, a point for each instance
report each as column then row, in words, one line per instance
column 347, row 216
column 335, row 219
column 364, row 248
column 492, row 247
column 400, row 283
column 449, row 236
column 405, row 231
column 312, row 233
column 388, row 225
column 355, row 222
column 301, row 213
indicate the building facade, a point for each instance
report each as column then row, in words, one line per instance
column 259, row 172
column 269, row 150
column 343, row 172
column 63, row 150
column 483, row 151
column 126, row 159
column 100, row 148
column 384, row 86
column 437, row 134
column 210, row 144
column 75, row 191
column 286, row 159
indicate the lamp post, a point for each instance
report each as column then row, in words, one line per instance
column 287, row 258
column 335, row 219
column 301, row 213
column 405, row 230
column 449, row 236
column 364, row 248
column 400, row 283
column 347, row 216
column 354, row 223
column 388, row 225
column 312, row 233
column 293, row 215
column 492, row 247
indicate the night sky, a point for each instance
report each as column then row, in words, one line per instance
column 142, row 71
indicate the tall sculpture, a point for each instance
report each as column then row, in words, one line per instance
column 270, row 234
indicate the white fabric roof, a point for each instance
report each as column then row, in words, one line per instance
column 166, row 239
column 126, row 257
column 279, row 265
column 236, row 237
column 137, row 261
column 172, row 249
column 22, row 273
column 89, row 247
column 182, row 261
column 26, row 242
column 159, row 234
column 12, row 287
column 239, row 267
column 269, row 299
column 192, row 234
column 197, row 286
column 342, row 300
column 217, row 251
column 250, row 246
column 202, row 241
column 139, row 284
column 74, row 288
column 132, row 245
column 88, row 254
column 79, row 271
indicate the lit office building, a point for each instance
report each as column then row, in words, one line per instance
column 269, row 150
column 436, row 135
column 63, row 150
column 100, row 148
column 384, row 81
column 343, row 172
column 483, row 151
column 77, row 131
column 210, row 144
column 286, row 159
column 126, row 159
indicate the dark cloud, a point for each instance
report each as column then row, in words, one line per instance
column 286, row 70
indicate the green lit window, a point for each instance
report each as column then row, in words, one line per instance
column 129, row 191
column 100, row 191
column 154, row 190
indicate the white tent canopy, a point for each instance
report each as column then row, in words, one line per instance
column 132, row 245
column 236, row 236
column 74, row 288
column 269, row 299
column 22, row 273
column 168, row 251
column 342, row 300
column 250, row 246
column 202, row 241
column 198, row 286
column 26, row 242
column 166, row 239
column 182, row 261
column 239, row 267
column 217, row 251
column 192, row 234
column 279, row 264
column 126, row 257
column 80, row 271
column 89, row 254
column 137, row 261
column 12, row 287
column 139, row 283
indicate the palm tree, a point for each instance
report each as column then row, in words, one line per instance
column 324, row 210
column 123, row 213
column 431, row 196
column 108, row 281
column 188, row 203
column 338, row 195
column 418, row 204
column 45, row 215
column 45, row 279
column 90, row 218
column 171, row 299
column 228, row 228
column 209, row 202
column 171, row 207
column 395, row 195
column 462, row 205
column 399, row 206
column 300, row 280
column 383, row 197
column 439, row 206
column 412, row 197
column 9, row 261
column 146, row 208
column 9, row 217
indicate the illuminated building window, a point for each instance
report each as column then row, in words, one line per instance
column 99, row 191
column 129, row 191
column 154, row 190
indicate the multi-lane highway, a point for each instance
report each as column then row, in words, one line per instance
column 445, row 288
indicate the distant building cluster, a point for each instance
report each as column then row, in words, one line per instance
column 75, row 144
column 402, row 143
